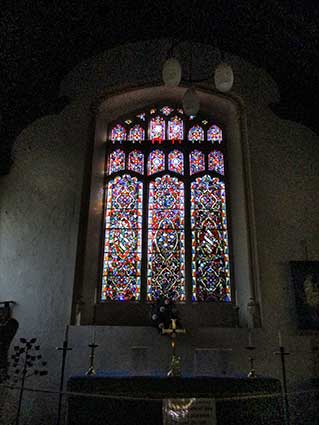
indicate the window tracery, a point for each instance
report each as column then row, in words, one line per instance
column 166, row 190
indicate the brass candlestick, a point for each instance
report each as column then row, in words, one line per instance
column 252, row 371
column 175, row 365
column 91, row 370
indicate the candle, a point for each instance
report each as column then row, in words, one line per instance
column 280, row 339
column 250, row 340
column 93, row 335
column 66, row 333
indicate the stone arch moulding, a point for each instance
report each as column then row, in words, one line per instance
column 229, row 112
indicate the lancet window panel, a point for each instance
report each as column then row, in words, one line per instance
column 210, row 251
column 181, row 242
column 166, row 240
column 123, row 237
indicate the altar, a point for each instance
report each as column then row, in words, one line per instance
column 138, row 400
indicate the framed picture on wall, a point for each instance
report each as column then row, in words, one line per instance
column 305, row 282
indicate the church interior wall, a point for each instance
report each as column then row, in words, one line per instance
column 40, row 219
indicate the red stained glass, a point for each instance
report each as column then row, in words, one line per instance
column 136, row 162
column 214, row 134
column 176, row 161
column 157, row 129
column 136, row 134
column 210, row 256
column 118, row 133
column 175, row 129
column 196, row 162
column 123, row 239
column 166, row 246
column 216, row 162
column 156, row 162
column 196, row 134
column 116, row 161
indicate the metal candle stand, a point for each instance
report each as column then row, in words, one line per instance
column 252, row 371
column 282, row 353
column 65, row 348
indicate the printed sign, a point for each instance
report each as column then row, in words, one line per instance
column 189, row 411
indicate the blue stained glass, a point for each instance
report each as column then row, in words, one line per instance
column 116, row 161
column 214, row 134
column 166, row 246
column 123, row 240
column 118, row 133
column 156, row 162
column 196, row 162
column 210, row 252
column 216, row 162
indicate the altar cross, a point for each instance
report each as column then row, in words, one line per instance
column 173, row 331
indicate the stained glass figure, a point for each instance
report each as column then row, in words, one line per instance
column 196, row 134
column 152, row 111
column 166, row 110
column 156, row 162
column 176, row 161
column 128, row 122
column 118, row 133
column 141, row 116
column 123, row 240
column 175, row 129
column 216, row 162
column 157, row 129
column 136, row 134
column 180, row 111
column 210, row 257
column 136, row 161
column 196, row 162
column 116, row 161
column 166, row 246
column 214, row 134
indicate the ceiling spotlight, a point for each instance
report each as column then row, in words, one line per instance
column 172, row 72
column 224, row 77
column 191, row 102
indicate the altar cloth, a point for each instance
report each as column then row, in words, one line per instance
column 137, row 400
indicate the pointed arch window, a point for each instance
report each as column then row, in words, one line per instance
column 166, row 212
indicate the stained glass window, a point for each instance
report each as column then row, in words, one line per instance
column 157, row 129
column 136, row 134
column 196, row 162
column 166, row 251
column 136, row 161
column 166, row 110
column 196, row 134
column 116, row 161
column 123, row 236
column 156, row 162
column 214, row 134
column 118, row 133
column 210, row 257
column 216, row 162
column 175, row 129
column 176, row 161
column 164, row 230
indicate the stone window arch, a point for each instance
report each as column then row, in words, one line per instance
column 215, row 109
